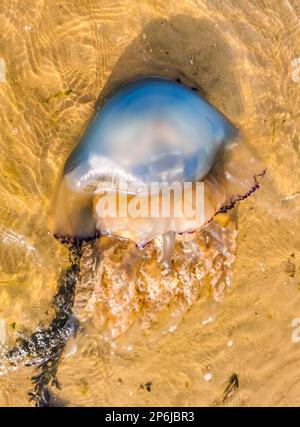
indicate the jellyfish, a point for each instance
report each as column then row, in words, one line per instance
column 151, row 131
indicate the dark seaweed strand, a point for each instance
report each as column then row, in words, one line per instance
column 44, row 347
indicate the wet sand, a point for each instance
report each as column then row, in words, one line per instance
column 57, row 59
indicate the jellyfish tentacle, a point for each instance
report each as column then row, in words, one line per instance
column 168, row 245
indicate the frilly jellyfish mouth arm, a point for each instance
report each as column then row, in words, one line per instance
column 168, row 245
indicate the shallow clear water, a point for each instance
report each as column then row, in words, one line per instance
column 56, row 59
